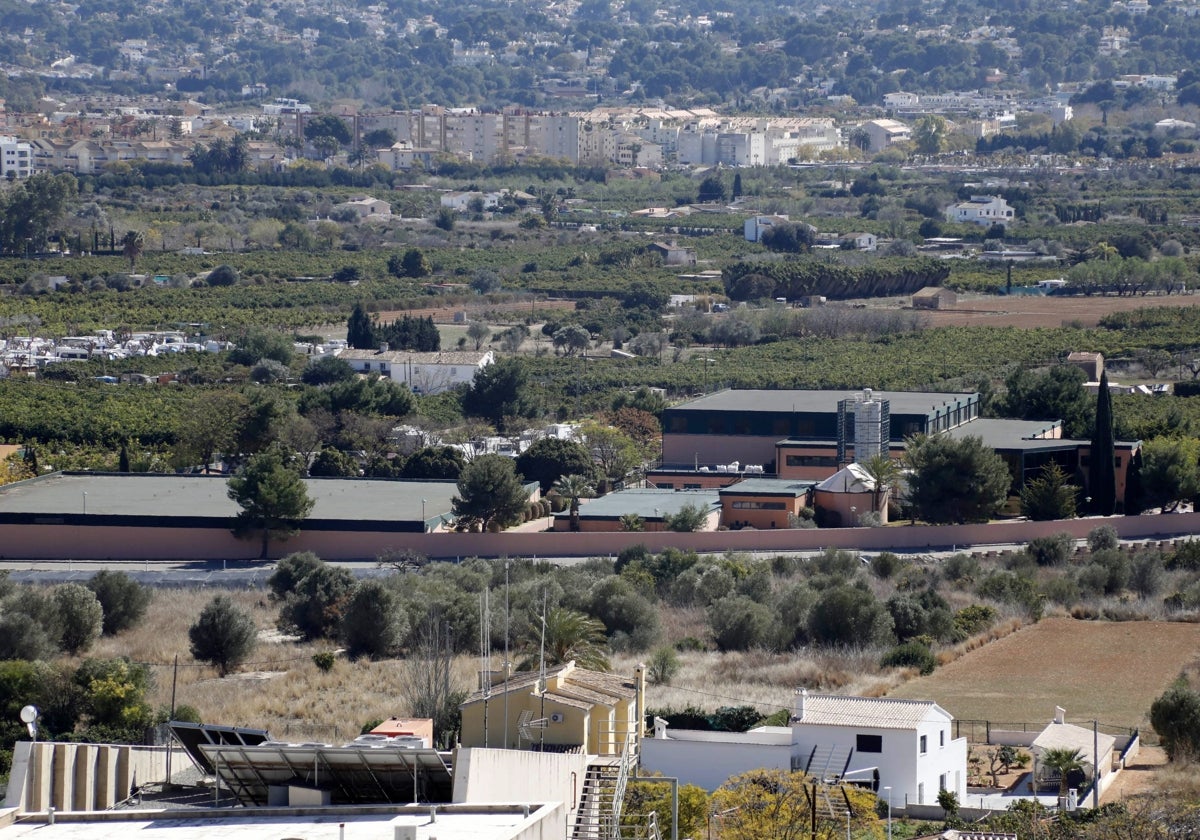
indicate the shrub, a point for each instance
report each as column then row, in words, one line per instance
column 113, row 698
column 324, row 660
column 735, row 718
column 663, row 667
column 1013, row 589
column 885, row 564
column 81, row 617
column 973, row 619
column 22, row 639
column 1146, row 574
column 122, row 598
column 1054, row 550
column 1103, row 537
column 289, row 571
column 1186, row 556
column 910, row 655
column 188, row 714
column 1118, row 568
column 1062, row 590
column 960, row 567
column 315, row 607
column 845, row 615
column 623, row 610
column 1175, row 716
column 224, row 634
column 741, row 623
column 373, row 624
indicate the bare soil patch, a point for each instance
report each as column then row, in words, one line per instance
column 1108, row 671
column 1040, row 311
column 445, row 314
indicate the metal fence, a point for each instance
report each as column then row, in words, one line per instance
column 979, row 731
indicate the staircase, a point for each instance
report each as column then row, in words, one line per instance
column 594, row 819
column 824, row 763
column 599, row 814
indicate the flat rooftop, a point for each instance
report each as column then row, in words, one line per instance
column 470, row 822
column 901, row 402
column 1013, row 434
column 205, row 497
column 648, row 504
column 768, row 487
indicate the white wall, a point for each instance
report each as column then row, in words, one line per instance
column 709, row 763
column 489, row 775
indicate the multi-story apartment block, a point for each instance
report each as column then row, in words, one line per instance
column 16, row 158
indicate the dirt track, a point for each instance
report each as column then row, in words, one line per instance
column 1039, row 311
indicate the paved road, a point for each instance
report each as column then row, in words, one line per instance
column 244, row 574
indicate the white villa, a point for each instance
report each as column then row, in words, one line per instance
column 424, row 373
column 907, row 742
column 983, row 210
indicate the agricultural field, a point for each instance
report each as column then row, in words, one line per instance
column 1103, row 670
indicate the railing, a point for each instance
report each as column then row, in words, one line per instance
column 628, row 755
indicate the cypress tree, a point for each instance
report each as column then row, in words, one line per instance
column 123, row 459
column 1102, row 472
column 359, row 332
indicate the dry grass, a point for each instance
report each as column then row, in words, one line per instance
column 763, row 679
column 279, row 688
column 1110, row 671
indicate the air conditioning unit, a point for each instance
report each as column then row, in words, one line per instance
column 556, row 717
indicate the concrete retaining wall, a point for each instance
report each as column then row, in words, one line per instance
column 31, row 542
column 79, row 777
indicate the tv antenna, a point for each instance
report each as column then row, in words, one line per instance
column 526, row 724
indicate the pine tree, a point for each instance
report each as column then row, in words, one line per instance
column 360, row 333
column 1102, row 477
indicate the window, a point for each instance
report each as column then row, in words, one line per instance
column 924, row 744
column 942, row 782
column 811, row 460
column 942, row 738
column 759, row 506
column 665, row 485
column 869, row 743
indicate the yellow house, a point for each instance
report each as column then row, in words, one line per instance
column 590, row 711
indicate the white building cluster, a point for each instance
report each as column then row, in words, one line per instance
column 632, row 138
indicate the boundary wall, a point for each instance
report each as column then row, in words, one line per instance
column 158, row 540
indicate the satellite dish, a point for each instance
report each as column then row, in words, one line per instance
column 29, row 714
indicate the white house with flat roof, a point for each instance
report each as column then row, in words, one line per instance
column 983, row 210
column 424, row 373
column 908, row 743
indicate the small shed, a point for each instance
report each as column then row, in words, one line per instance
column 1091, row 364
column 1095, row 750
column 673, row 254
column 846, row 495
column 934, row 297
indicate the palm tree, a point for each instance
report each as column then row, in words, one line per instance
column 884, row 472
column 132, row 246
column 574, row 487
column 569, row 635
column 632, row 522
column 1065, row 761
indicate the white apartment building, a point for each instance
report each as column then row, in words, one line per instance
column 16, row 158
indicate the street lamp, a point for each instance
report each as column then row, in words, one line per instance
column 424, row 524
column 85, row 503
column 888, row 790
column 854, row 516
